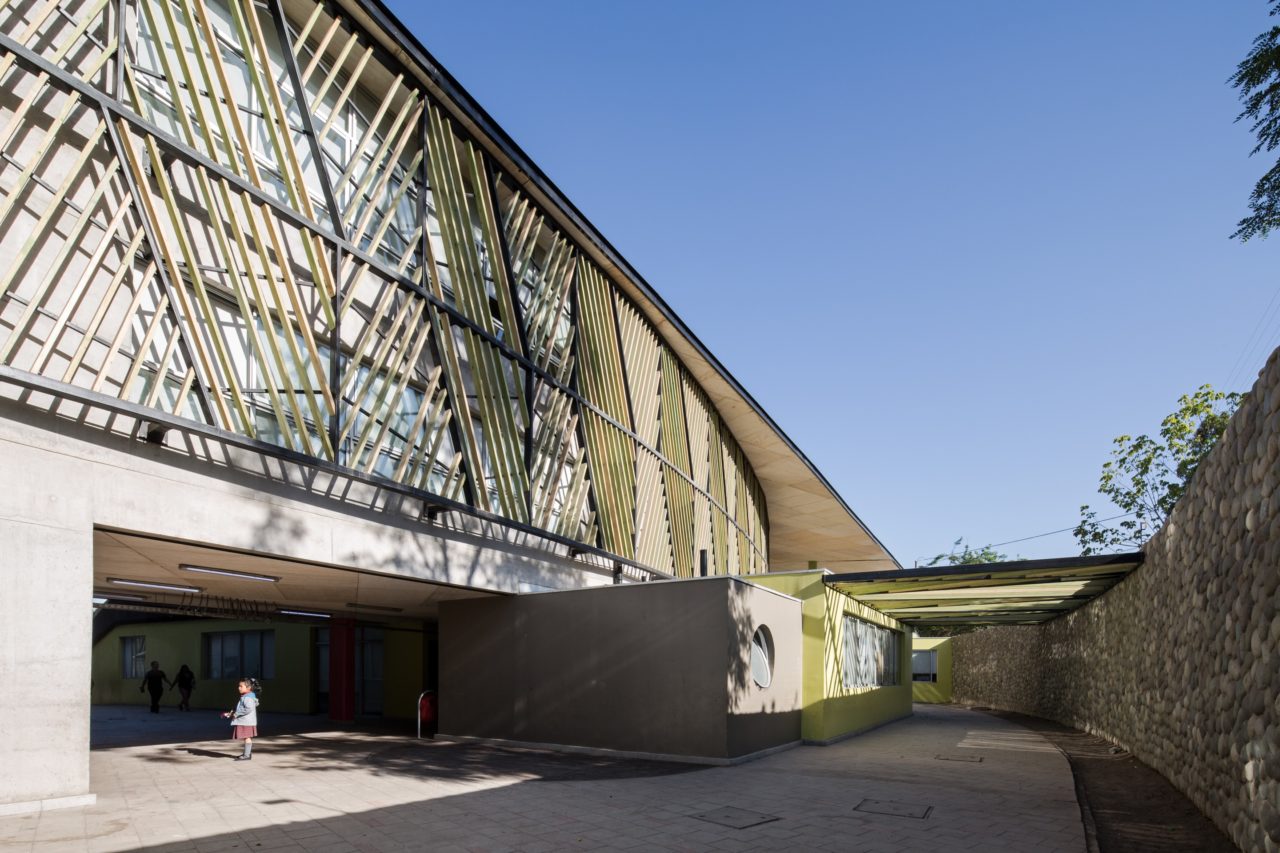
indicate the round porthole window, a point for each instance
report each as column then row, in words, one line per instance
column 762, row 657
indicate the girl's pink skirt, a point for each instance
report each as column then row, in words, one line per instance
column 242, row 732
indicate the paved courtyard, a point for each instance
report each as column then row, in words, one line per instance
column 945, row 779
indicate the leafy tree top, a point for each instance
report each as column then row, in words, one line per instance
column 1146, row 476
column 964, row 555
column 1258, row 79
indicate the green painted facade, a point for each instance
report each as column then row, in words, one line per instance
column 938, row 692
column 292, row 689
column 831, row 710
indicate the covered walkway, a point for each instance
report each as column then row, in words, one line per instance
column 945, row 779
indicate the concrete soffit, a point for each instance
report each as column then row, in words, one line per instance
column 808, row 520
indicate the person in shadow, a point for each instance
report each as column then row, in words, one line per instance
column 153, row 682
column 185, row 681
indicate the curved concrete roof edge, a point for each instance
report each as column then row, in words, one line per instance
column 376, row 16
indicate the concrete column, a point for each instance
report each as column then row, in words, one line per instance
column 46, row 616
column 342, row 670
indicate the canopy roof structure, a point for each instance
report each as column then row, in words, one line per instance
column 1018, row 592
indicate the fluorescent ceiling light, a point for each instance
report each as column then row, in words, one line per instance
column 355, row 606
column 108, row 595
column 244, row 576
column 303, row 613
column 172, row 587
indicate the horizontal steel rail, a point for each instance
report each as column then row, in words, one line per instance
column 147, row 415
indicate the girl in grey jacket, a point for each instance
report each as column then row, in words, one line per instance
column 244, row 719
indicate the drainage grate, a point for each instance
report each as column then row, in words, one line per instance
column 734, row 818
column 896, row 809
column 975, row 759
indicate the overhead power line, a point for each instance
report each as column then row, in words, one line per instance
column 1050, row 533
column 1263, row 334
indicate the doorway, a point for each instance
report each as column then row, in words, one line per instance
column 370, row 646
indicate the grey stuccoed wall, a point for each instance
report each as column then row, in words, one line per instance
column 1180, row 662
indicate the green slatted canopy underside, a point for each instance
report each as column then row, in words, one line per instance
column 1019, row 592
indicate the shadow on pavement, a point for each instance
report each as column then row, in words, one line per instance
column 114, row 726
column 317, row 744
column 384, row 755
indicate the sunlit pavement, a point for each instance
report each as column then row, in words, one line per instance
column 915, row 785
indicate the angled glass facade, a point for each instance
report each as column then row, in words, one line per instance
column 252, row 217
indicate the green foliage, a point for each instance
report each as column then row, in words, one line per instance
column 1258, row 79
column 1146, row 476
column 963, row 555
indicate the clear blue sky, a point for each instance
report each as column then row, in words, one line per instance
column 952, row 248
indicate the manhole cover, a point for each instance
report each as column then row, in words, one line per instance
column 891, row 807
column 734, row 818
column 974, row 759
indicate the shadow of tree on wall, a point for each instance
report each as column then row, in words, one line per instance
column 738, row 650
column 743, row 625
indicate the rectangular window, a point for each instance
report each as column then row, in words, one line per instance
column 133, row 656
column 238, row 654
column 924, row 665
column 870, row 655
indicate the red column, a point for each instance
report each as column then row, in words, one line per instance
column 342, row 670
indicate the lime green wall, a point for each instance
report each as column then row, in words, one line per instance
column 831, row 710
column 176, row 643
column 939, row 692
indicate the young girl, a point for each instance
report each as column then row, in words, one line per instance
column 244, row 719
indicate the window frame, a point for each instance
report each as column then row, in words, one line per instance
column 266, row 662
column 880, row 666
column 930, row 677
column 133, row 658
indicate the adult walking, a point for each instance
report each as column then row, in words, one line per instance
column 185, row 681
column 153, row 682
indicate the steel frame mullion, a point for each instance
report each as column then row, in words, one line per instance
column 587, row 456
column 153, row 245
column 426, row 263
column 335, row 217
column 122, row 54
column 513, row 295
column 631, row 415
column 282, row 32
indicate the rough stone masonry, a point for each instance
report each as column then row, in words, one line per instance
column 1180, row 662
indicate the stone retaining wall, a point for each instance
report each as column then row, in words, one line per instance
column 1180, row 662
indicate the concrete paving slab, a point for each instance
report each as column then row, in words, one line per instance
column 327, row 790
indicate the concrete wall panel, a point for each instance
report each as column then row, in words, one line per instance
column 46, row 564
column 656, row 668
